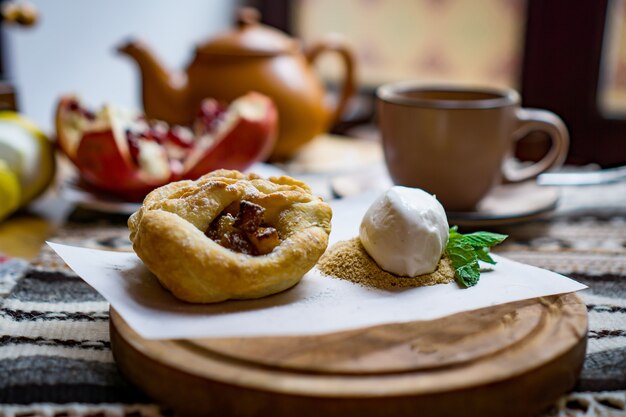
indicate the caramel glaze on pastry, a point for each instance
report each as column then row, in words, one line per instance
column 230, row 235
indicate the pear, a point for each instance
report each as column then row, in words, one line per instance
column 27, row 153
column 10, row 193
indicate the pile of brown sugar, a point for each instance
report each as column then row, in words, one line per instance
column 348, row 260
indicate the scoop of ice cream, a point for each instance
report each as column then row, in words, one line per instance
column 405, row 231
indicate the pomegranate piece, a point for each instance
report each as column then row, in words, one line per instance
column 246, row 134
column 129, row 155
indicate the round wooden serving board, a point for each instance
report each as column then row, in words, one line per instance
column 508, row 360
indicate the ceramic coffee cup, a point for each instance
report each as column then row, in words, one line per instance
column 456, row 142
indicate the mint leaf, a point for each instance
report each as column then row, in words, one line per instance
column 468, row 274
column 483, row 239
column 465, row 251
column 460, row 251
column 483, row 255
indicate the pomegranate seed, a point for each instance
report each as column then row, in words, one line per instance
column 133, row 145
column 76, row 107
column 73, row 105
column 180, row 136
column 153, row 136
column 210, row 115
column 88, row 114
column 147, row 136
column 158, row 131
column 176, row 166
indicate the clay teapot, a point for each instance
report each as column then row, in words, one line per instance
column 252, row 57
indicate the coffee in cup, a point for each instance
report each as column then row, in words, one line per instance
column 457, row 141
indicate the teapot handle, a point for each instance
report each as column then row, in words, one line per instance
column 334, row 43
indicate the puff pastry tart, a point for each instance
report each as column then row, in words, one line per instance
column 230, row 235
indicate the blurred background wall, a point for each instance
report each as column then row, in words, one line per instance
column 72, row 47
column 477, row 41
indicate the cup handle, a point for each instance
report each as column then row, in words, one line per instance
column 336, row 44
column 530, row 120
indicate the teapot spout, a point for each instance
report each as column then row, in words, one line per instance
column 164, row 93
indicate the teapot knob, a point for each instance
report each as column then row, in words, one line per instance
column 248, row 16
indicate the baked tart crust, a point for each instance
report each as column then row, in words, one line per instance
column 168, row 234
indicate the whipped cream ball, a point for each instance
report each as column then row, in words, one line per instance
column 405, row 231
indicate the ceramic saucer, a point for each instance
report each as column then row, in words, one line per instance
column 505, row 204
column 79, row 193
column 75, row 191
column 509, row 204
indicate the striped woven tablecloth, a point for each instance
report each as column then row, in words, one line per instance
column 55, row 357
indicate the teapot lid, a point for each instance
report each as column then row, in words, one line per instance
column 250, row 38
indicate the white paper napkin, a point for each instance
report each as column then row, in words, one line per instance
column 319, row 304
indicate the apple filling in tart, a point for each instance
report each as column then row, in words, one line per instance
column 229, row 235
column 240, row 228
